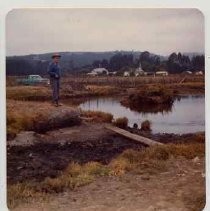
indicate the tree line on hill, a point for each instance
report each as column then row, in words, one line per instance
column 119, row 61
column 176, row 63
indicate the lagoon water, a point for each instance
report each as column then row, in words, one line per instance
column 186, row 116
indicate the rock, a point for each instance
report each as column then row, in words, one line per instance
column 196, row 160
column 19, row 167
column 25, row 138
column 135, row 125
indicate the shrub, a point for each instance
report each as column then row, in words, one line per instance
column 200, row 138
column 146, row 125
column 121, row 122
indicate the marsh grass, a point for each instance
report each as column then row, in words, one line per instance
column 146, row 125
column 121, row 122
column 36, row 93
column 100, row 90
column 98, row 116
column 154, row 159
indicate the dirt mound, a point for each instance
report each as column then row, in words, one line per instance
column 59, row 118
column 38, row 117
column 151, row 99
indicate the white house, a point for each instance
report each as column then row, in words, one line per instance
column 187, row 72
column 199, row 73
column 126, row 74
column 139, row 71
column 98, row 71
column 161, row 73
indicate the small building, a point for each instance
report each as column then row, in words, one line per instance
column 161, row 73
column 98, row 71
column 126, row 74
column 198, row 73
column 187, row 72
column 139, row 71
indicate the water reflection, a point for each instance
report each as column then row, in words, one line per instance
column 162, row 108
column 186, row 115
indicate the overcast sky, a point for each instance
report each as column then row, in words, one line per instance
column 160, row 31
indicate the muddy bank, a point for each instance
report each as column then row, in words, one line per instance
column 42, row 160
column 47, row 158
column 167, row 138
column 32, row 156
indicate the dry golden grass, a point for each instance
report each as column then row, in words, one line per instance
column 28, row 93
column 195, row 202
column 74, row 176
column 11, row 81
column 123, row 82
column 101, row 90
column 199, row 137
column 98, row 116
column 153, row 159
column 36, row 116
column 121, row 122
column 22, row 193
column 22, row 115
column 119, row 166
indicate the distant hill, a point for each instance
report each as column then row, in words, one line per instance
column 70, row 61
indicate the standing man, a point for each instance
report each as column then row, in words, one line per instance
column 54, row 71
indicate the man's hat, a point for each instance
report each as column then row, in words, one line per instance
column 56, row 55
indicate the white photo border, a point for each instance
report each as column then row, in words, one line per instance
column 8, row 5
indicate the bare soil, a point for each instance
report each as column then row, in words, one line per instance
column 51, row 153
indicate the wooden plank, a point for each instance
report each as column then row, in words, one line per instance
column 182, row 80
column 86, row 118
column 141, row 139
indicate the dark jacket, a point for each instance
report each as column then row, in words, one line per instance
column 54, row 70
